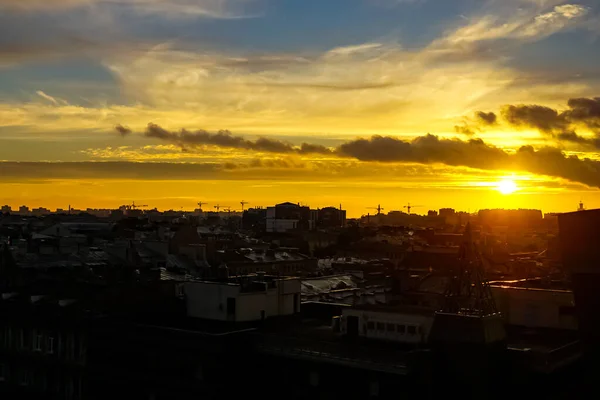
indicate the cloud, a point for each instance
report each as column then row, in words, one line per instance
column 471, row 125
column 543, row 118
column 585, row 111
column 464, row 130
column 581, row 112
column 486, row 118
column 366, row 88
column 47, row 97
column 186, row 139
column 351, row 50
column 428, row 149
column 186, row 8
column 491, row 35
column 122, row 130
column 311, row 91
column 475, row 154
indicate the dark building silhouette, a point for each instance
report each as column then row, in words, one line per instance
column 331, row 217
column 513, row 218
column 579, row 235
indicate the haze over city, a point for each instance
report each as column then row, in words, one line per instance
column 464, row 104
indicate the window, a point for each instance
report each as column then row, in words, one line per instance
column 391, row 327
column 380, row 326
column 69, row 388
column 7, row 337
column 22, row 339
column 401, row 329
column 3, row 372
column 50, row 345
column 412, row 330
column 70, row 346
column 76, row 346
column 179, row 291
column 23, row 377
column 37, row 341
column 566, row 310
column 370, row 325
column 231, row 306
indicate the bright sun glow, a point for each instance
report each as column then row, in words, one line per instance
column 507, row 186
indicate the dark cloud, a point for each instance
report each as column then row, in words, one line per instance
column 464, row 130
column 475, row 153
column 543, row 118
column 186, row 139
column 308, row 148
column 123, row 130
column 586, row 112
column 427, row 149
column 575, row 138
column 560, row 125
column 486, row 118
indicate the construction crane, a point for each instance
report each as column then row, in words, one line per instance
column 378, row 208
column 243, row 203
column 409, row 207
column 134, row 206
column 218, row 207
column 200, row 203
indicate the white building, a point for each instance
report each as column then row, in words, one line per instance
column 253, row 299
column 399, row 324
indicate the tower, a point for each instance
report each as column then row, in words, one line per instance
column 468, row 336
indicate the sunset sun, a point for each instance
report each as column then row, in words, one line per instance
column 507, row 186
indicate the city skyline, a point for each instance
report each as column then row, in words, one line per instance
column 224, row 209
column 460, row 103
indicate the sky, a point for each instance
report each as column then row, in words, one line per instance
column 437, row 103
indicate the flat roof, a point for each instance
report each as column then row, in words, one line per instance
column 395, row 309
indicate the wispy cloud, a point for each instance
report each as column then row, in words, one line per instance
column 54, row 100
column 180, row 8
column 489, row 35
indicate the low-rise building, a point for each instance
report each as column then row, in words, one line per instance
column 392, row 323
column 287, row 217
column 243, row 299
column 282, row 261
